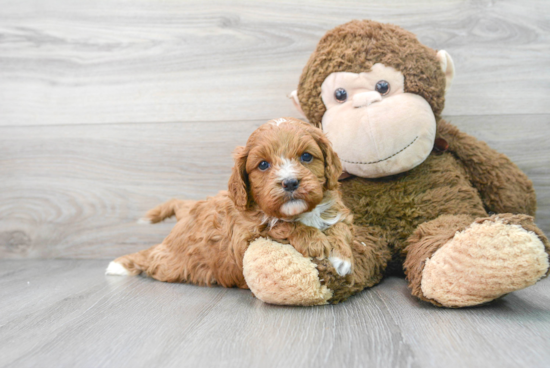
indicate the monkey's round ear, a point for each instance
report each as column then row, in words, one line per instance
column 238, row 182
column 447, row 66
column 294, row 97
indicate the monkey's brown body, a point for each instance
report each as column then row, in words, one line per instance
column 458, row 223
column 402, row 220
column 394, row 207
column 392, row 212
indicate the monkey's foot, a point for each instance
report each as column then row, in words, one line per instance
column 490, row 258
column 277, row 274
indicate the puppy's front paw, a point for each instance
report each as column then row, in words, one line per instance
column 316, row 247
column 311, row 243
column 342, row 266
column 281, row 231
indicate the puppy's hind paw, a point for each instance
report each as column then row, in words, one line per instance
column 116, row 269
column 341, row 266
column 144, row 221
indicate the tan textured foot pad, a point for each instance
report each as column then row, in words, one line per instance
column 482, row 263
column 277, row 274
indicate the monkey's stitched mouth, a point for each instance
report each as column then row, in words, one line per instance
column 384, row 159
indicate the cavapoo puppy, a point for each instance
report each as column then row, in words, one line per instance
column 284, row 185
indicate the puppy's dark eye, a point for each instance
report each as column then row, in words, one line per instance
column 306, row 157
column 382, row 87
column 264, row 165
column 341, row 95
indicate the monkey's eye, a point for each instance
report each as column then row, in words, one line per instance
column 382, row 87
column 306, row 157
column 340, row 95
column 263, row 166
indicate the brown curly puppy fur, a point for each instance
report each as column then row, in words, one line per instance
column 208, row 242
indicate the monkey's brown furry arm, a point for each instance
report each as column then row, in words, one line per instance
column 503, row 187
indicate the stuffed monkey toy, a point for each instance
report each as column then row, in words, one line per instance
column 429, row 201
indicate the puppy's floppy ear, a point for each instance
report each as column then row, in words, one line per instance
column 333, row 166
column 238, row 182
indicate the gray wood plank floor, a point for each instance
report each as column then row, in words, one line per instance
column 66, row 313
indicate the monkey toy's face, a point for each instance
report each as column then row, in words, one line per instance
column 377, row 93
column 376, row 128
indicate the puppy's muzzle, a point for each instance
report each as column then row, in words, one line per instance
column 290, row 185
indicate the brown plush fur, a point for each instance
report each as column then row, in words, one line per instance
column 355, row 47
column 404, row 219
column 208, row 242
column 483, row 246
column 397, row 210
column 501, row 184
column 425, row 241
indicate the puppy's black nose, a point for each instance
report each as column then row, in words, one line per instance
column 290, row 185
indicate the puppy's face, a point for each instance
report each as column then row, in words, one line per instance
column 284, row 169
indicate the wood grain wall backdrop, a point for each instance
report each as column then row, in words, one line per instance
column 110, row 107
column 77, row 62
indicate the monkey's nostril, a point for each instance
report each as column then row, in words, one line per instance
column 290, row 185
column 366, row 98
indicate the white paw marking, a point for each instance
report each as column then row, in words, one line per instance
column 144, row 221
column 116, row 268
column 342, row 267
